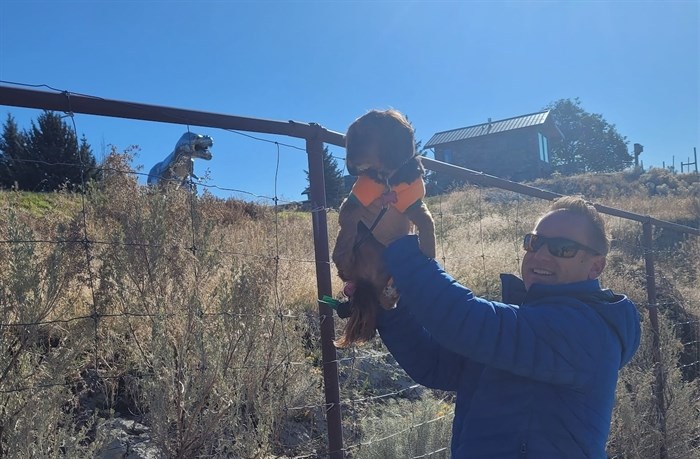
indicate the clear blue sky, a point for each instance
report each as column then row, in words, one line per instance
column 445, row 64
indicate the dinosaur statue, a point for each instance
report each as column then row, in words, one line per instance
column 178, row 166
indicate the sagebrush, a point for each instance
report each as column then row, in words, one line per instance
column 197, row 316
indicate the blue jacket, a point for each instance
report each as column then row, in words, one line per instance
column 535, row 376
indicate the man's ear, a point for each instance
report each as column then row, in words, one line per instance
column 597, row 267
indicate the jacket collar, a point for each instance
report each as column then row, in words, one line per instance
column 617, row 311
column 513, row 290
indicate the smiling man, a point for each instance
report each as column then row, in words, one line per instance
column 535, row 375
column 574, row 234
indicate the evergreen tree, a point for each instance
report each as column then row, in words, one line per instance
column 13, row 144
column 90, row 170
column 590, row 143
column 55, row 148
column 333, row 178
column 45, row 158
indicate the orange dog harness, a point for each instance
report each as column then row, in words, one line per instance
column 401, row 196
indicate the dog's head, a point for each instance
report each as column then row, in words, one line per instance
column 379, row 143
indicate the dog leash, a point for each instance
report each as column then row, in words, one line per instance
column 385, row 207
column 371, row 228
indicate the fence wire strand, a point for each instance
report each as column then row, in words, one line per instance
column 357, row 367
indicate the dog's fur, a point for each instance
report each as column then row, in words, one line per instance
column 379, row 145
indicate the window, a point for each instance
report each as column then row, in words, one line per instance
column 544, row 149
column 447, row 156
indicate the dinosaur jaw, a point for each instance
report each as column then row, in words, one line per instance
column 201, row 150
column 202, row 154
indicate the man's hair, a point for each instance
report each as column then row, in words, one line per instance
column 387, row 130
column 579, row 206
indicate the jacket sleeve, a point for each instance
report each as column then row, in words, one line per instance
column 558, row 343
column 425, row 361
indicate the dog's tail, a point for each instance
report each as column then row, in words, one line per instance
column 362, row 324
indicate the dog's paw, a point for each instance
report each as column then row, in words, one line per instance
column 390, row 296
column 390, row 291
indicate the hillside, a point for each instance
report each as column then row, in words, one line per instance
column 195, row 319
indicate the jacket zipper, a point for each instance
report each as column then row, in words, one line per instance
column 523, row 450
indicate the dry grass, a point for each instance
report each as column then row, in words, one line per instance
column 198, row 317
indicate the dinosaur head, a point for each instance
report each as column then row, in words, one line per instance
column 195, row 145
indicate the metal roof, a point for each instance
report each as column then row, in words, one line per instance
column 490, row 127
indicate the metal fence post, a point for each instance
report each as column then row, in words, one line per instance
column 648, row 243
column 317, row 195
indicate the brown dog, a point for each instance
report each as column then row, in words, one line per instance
column 385, row 202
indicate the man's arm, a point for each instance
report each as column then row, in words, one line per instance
column 425, row 361
column 559, row 344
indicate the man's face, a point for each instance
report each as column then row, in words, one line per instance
column 541, row 267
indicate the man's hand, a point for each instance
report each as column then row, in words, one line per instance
column 392, row 226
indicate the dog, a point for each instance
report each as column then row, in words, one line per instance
column 386, row 202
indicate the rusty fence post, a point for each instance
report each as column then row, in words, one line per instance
column 317, row 195
column 648, row 244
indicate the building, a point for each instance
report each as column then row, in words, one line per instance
column 515, row 148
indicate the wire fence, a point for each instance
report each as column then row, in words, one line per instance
column 194, row 315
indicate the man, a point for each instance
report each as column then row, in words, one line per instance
column 535, row 375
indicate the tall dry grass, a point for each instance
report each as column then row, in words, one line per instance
column 197, row 316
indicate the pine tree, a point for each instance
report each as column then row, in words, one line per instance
column 88, row 161
column 13, row 144
column 47, row 157
column 333, row 178
column 55, row 146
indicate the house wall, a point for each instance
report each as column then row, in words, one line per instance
column 513, row 155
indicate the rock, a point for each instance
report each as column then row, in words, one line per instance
column 125, row 439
